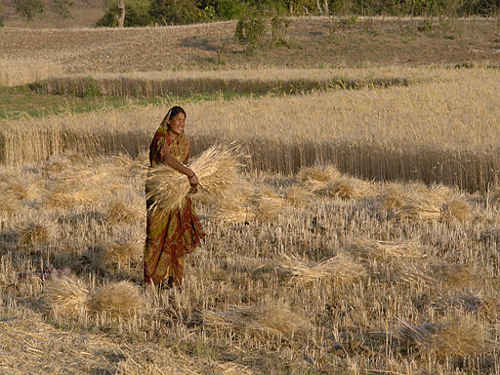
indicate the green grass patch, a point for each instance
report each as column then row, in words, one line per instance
column 22, row 101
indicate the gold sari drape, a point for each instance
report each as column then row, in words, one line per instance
column 171, row 236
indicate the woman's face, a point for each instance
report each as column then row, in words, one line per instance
column 177, row 123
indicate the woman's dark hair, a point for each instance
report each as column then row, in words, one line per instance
column 172, row 112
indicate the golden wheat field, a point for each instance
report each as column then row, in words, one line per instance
column 358, row 235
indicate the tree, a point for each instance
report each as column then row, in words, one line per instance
column 28, row 9
column 178, row 12
column 137, row 14
column 120, row 18
column 1, row 19
column 62, row 8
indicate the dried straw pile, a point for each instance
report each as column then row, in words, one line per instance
column 272, row 318
column 459, row 337
column 9, row 204
column 340, row 269
column 67, row 295
column 118, row 253
column 122, row 299
column 250, row 202
column 418, row 202
column 326, row 181
column 325, row 174
column 71, row 297
column 384, row 250
column 37, row 232
column 446, row 276
column 216, row 169
column 126, row 210
column 458, row 209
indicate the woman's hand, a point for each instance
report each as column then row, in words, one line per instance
column 193, row 181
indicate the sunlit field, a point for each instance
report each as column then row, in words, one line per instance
column 359, row 237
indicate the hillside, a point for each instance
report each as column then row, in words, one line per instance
column 311, row 42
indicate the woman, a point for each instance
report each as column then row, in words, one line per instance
column 170, row 236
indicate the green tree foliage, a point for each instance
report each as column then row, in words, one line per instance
column 250, row 29
column 63, row 8
column 136, row 15
column 29, row 9
column 177, row 12
column 230, row 9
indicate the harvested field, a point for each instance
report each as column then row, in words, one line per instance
column 358, row 236
column 302, row 279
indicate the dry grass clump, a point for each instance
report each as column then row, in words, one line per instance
column 385, row 250
column 458, row 337
column 123, row 210
column 9, row 204
column 119, row 253
column 67, row 295
column 418, row 202
column 328, row 181
column 64, row 196
column 271, row 318
column 37, row 232
column 248, row 202
column 419, row 208
column 298, row 196
column 68, row 160
column 269, row 208
column 461, row 299
column 21, row 188
column 458, row 209
column 447, row 276
column 453, row 276
column 327, row 173
column 394, row 196
column 122, row 299
column 347, row 188
column 216, row 169
column 340, row 269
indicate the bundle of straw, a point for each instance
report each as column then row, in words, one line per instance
column 68, row 295
column 38, row 231
column 341, row 268
column 121, row 299
column 271, row 318
column 384, row 250
column 458, row 209
column 459, row 336
column 216, row 169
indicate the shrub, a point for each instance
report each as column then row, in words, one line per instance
column 250, row 30
column 279, row 27
column 230, row 9
column 136, row 14
column 177, row 12
column 62, row 8
column 28, row 9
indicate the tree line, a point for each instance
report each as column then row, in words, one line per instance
column 180, row 12
column 130, row 13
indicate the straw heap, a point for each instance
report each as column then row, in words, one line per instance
column 384, row 250
column 68, row 295
column 118, row 300
column 216, row 169
column 341, row 268
column 37, row 231
column 271, row 318
column 459, row 337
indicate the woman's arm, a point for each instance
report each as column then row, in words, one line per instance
column 175, row 164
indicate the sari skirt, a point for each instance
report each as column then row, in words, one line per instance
column 169, row 237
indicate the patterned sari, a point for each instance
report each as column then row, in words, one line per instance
column 171, row 236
